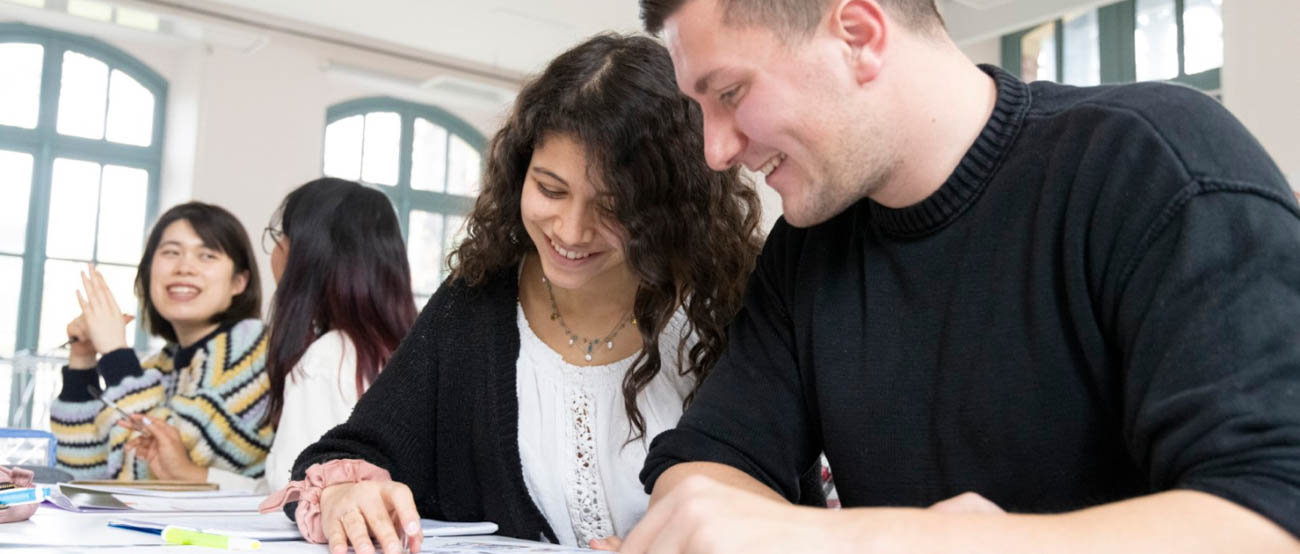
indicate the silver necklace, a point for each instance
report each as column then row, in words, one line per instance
column 588, row 344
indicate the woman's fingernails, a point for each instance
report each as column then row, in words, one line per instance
column 412, row 528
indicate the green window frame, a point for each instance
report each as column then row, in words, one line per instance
column 44, row 143
column 1116, row 24
column 406, row 198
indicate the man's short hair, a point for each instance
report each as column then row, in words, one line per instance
column 796, row 18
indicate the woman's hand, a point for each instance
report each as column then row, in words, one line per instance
column 81, row 353
column 609, row 544
column 167, row 456
column 351, row 513
column 102, row 325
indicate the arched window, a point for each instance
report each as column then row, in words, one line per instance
column 426, row 160
column 81, row 126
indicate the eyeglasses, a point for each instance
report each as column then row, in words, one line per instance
column 271, row 238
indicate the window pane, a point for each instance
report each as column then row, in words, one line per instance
column 20, row 90
column 82, row 96
column 121, row 281
column 379, row 157
column 463, row 176
column 425, row 250
column 59, row 301
column 121, row 214
column 15, row 193
column 74, row 197
column 1082, row 49
column 428, row 156
column 1155, row 40
column 1203, row 35
column 130, row 110
column 6, row 381
column 1038, row 53
column 59, row 298
column 455, row 234
column 11, row 282
column 343, row 148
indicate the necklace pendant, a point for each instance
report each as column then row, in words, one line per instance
column 587, row 357
column 571, row 341
column 609, row 345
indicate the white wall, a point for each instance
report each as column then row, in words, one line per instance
column 987, row 51
column 1261, row 77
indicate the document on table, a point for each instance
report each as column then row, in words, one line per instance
column 134, row 491
column 94, row 499
column 276, row 526
column 492, row 545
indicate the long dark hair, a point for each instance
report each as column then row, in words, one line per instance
column 220, row 231
column 691, row 233
column 346, row 271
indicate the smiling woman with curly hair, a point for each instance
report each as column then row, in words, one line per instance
column 603, row 262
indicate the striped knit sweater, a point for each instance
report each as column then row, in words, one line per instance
column 218, row 400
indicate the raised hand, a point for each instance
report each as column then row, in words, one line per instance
column 102, row 324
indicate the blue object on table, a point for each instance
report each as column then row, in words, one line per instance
column 27, row 495
column 28, row 447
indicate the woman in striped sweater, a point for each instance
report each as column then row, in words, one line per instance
column 198, row 285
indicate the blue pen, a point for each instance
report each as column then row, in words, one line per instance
column 29, row 495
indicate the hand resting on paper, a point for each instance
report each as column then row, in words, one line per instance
column 351, row 513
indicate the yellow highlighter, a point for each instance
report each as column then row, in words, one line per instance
column 172, row 534
column 175, row 534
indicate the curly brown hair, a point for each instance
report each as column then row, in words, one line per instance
column 691, row 233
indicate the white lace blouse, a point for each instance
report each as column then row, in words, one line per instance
column 572, row 430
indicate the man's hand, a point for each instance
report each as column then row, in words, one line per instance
column 704, row 515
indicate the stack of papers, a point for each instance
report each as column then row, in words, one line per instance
column 277, row 527
column 87, row 498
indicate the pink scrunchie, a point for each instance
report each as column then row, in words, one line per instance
column 307, row 492
column 21, row 478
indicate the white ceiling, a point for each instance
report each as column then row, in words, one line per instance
column 519, row 36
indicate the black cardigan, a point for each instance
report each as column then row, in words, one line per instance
column 449, row 431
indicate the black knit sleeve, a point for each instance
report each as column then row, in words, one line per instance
column 750, row 412
column 393, row 424
column 1208, row 327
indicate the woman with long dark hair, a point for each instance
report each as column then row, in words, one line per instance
column 203, row 398
column 342, row 304
column 603, row 261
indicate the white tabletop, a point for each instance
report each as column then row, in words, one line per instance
column 52, row 530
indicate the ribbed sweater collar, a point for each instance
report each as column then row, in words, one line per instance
column 966, row 183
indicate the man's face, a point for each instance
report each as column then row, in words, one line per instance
column 781, row 108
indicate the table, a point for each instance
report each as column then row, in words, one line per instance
column 55, row 531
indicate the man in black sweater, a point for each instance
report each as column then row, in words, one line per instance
column 1080, row 302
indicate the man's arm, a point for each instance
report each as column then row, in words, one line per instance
column 751, row 412
column 695, row 513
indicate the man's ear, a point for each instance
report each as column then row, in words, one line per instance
column 861, row 24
